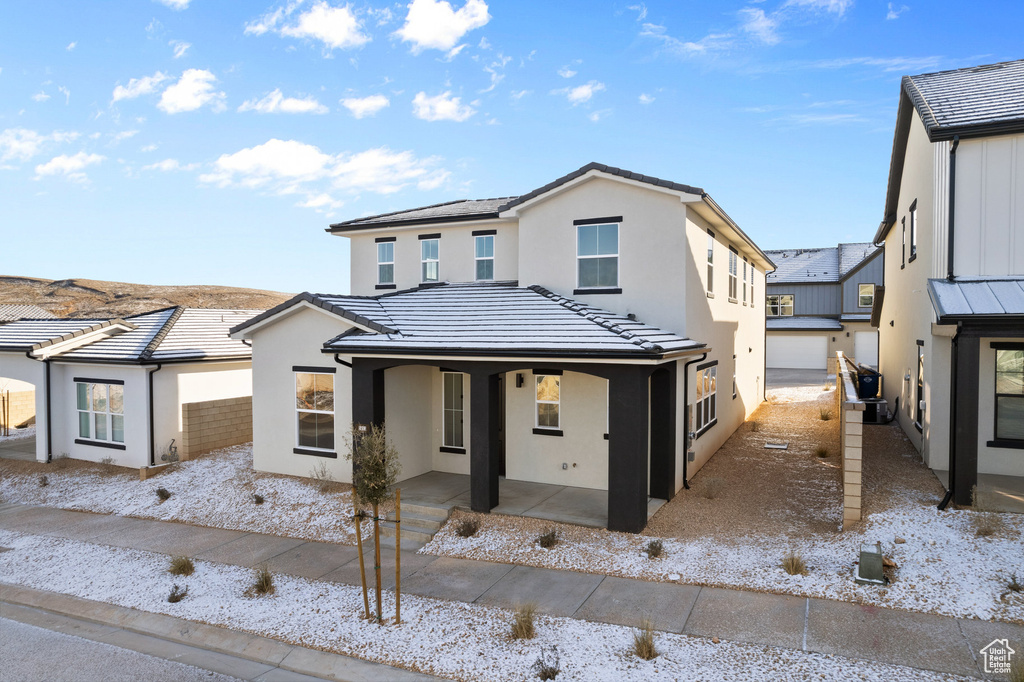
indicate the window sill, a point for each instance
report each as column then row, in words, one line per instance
column 547, row 432
column 1009, row 444
column 100, row 444
column 596, row 290
column 452, row 451
column 919, row 428
column 733, row 300
column 707, row 427
column 316, row 453
column 912, row 258
column 386, row 286
column 710, row 295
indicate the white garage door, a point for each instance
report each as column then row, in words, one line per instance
column 865, row 348
column 796, row 352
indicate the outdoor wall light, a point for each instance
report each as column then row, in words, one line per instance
column 519, row 380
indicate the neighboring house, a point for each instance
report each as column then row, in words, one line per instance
column 116, row 388
column 818, row 301
column 9, row 312
column 17, row 398
column 573, row 336
column 952, row 317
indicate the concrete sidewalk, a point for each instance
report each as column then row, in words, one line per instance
column 924, row 641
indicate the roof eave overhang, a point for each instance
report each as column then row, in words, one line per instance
column 292, row 306
column 145, row 362
column 77, row 339
column 904, row 116
column 446, row 221
column 983, row 320
column 506, row 355
column 709, row 209
column 966, row 132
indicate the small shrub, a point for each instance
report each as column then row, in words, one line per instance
column 643, row 642
column 322, row 478
column 713, row 487
column 755, row 426
column 263, row 582
column 825, row 414
column 163, row 494
column 1012, row 585
column 467, row 528
column 257, row 498
column 181, row 565
column 655, row 549
column 177, row 594
column 522, row 622
column 549, row 539
column 827, row 387
column 794, row 564
column 546, row 666
column 44, row 481
column 109, row 461
column 821, row 451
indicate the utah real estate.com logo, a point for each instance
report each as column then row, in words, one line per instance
column 998, row 657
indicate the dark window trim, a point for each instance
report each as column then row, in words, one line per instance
column 707, row 427
column 903, row 250
column 548, row 372
column 998, row 442
column 598, row 221
column 913, row 232
column 386, row 286
column 483, row 233
column 704, row 366
column 435, row 235
column 100, row 444
column 597, row 290
column 1008, row 444
column 733, row 249
column 920, row 342
column 606, row 436
column 918, row 390
column 86, row 380
column 452, row 451
column 711, row 233
column 316, row 453
column 547, row 432
column 380, row 240
column 314, row 370
column 779, row 296
column 1006, row 345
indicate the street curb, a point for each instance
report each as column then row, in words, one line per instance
column 262, row 650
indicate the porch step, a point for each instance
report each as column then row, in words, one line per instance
column 419, row 523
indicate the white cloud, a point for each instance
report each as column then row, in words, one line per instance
column 322, row 203
column 895, row 12
column 175, row 4
column 21, row 144
column 596, row 116
column 71, row 46
column 434, row 25
column 712, row 42
column 193, row 90
column 125, row 134
column 645, row 98
column 138, row 86
column 517, row 95
column 361, row 107
column 168, row 165
column 581, row 93
column 441, row 107
column 149, row 148
column 760, row 26
column 566, row 72
column 454, row 52
column 64, row 91
column 70, row 167
column 40, row 96
column 837, row 7
column 277, row 103
column 180, row 48
column 641, row 11
column 335, row 27
column 496, row 71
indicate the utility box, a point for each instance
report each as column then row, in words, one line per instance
column 869, row 571
column 867, row 383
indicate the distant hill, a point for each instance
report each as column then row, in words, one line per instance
column 93, row 298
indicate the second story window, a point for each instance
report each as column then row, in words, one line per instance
column 913, row 230
column 903, row 255
column 732, row 276
column 865, row 295
column 597, row 256
column 429, row 260
column 386, row 263
column 779, row 305
column 485, row 257
column 711, row 263
column 752, row 271
column 745, row 283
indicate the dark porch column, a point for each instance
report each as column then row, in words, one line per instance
column 663, row 432
column 483, row 441
column 964, row 460
column 627, row 449
column 367, row 393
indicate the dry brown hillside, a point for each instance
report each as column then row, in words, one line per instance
column 92, row 298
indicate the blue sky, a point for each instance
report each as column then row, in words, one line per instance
column 193, row 142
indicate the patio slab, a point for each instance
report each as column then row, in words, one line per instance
column 556, row 593
column 434, row 487
column 312, row 559
column 515, row 497
column 753, row 617
column 455, row 579
column 900, row 637
column 621, row 601
column 19, row 448
column 349, row 573
column 250, row 549
column 582, row 506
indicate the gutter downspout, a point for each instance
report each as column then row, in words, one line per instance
column 954, row 353
column 952, row 206
column 152, row 432
column 686, row 413
column 46, row 395
column 342, row 362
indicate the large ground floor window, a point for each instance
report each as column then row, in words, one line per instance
column 100, row 410
column 1010, row 394
column 453, row 410
column 314, row 409
column 706, row 404
column 548, row 401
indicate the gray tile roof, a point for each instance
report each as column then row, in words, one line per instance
column 463, row 209
column 202, row 333
column 966, row 299
column 21, row 311
column 977, row 100
column 855, row 317
column 829, row 264
column 804, row 324
column 497, row 319
column 25, row 335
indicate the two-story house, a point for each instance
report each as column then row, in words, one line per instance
column 818, row 301
column 951, row 322
column 574, row 335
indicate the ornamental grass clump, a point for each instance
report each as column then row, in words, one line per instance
column 263, row 581
column 467, row 528
column 522, row 621
column 163, row 494
column 177, row 594
column 643, row 642
column 181, row 565
column 548, row 539
column 821, row 451
column 655, row 549
column 794, row 564
column 546, row 667
column 257, row 498
column 825, row 414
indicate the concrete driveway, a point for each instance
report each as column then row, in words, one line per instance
column 794, row 378
column 20, row 448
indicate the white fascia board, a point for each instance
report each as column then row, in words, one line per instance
column 713, row 213
column 684, row 197
column 288, row 312
column 79, row 341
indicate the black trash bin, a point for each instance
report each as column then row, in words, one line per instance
column 867, row 384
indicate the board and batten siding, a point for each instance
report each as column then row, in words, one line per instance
column 811, row 299
column 871, row 273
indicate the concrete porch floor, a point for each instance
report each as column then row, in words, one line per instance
column 19, row 448
column 998, row 493
column 564, row 504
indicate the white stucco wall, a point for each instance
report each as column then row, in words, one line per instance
column 16, row 367
column 409, row 411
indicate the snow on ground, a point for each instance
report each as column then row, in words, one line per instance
column 213, row 490
column 449, row 639
column 19, row 434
